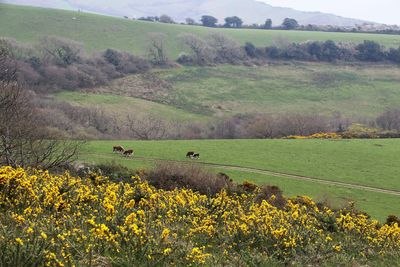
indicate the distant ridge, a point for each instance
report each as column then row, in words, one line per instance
column 251, row 11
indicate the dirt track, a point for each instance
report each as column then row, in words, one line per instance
column 277, row 174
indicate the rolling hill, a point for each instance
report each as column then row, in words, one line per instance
column 28, row 24
column 250, row 11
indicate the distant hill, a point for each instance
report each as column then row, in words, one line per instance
column 97, row 32
column 251, row 11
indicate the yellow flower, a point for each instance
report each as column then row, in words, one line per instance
column 167, row 251
column 43, row 235
column 337, row 248
column 19, row 241
column 165, row 233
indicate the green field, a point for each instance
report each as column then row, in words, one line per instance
column 364, row 162
column 97, row 32
column 199, row 92
column 121, row 106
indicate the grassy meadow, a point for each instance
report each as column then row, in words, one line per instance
column 363, row 162
column 201, row 92
column 97, row 32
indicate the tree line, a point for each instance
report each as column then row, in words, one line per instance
column 218, row 48
column 286, row 24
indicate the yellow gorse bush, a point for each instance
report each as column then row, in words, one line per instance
column 316, row 136
column 60, row 220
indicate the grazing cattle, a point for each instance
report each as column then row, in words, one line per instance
column 128, row 153
column 196, row 156
column 189, row 154
column 118, row 149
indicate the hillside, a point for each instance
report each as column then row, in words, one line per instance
column 250, row 11
column 206, row 92
column 97, row 32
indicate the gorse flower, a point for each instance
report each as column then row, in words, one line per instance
column 68, row 221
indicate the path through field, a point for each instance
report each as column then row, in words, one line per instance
column 276, row 174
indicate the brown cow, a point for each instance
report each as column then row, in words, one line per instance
column 118, row 149
column 128, row 153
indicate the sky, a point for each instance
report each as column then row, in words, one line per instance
column 383, row 11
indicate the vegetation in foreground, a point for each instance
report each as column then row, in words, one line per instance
column 59, row 220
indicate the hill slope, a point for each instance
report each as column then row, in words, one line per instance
column 97, row 32
column 250, row 11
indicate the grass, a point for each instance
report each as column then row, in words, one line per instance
column 365, row 162
column 308, row 88
column 121, row 106
column 97, row 32
column 200, row 92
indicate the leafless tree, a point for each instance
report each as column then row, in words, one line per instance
column 262, row 126
column 389, row 120
column 299, row 124
column 60, row 51
column 147, row 127
column 227, row 49
column 200, row 51
column 157, row 50
column 24, row 140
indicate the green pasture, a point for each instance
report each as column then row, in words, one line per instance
column 356, row 92
column 98, row 32
column 363, row 162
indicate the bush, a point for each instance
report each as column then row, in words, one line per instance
column 59, row 63
column 170, row 175
column 392, row 219
column 61, row 220
column 273, row 195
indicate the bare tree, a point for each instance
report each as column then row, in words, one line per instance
column 262, row 126
column 201, row 52
column 60, row 51
column 389, row 120
column 147, row 127
column 24, row 140
column 227, row 49
column 157, row 50
column 299, row 124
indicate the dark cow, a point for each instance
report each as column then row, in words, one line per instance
column 128, row 153
column 196, row 156
column 189, row 154
column 118, row 149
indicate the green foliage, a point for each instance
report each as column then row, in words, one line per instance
column 290, row 24
column 209, row 21
column 370, row 51
column 233, row 22
column 268, row 24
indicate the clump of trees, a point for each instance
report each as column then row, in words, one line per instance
column 209, row 21
column 218, row 48
column 58, row 63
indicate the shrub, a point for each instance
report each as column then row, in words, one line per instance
column 62, row 220
column 392, row 219
column 171, row 175
column 272, row 194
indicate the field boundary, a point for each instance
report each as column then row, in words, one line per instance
column 275, row 174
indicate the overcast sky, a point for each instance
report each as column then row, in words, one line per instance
column 384, row 11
